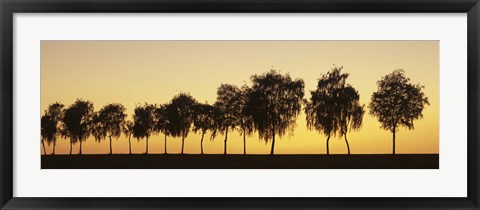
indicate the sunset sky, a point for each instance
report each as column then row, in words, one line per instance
column 135, row 72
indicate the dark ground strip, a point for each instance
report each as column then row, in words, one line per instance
column 186, row 161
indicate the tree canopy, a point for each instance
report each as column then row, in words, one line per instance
column 77, row 122
column 108, row 122
column 144, row 122
column 229, row 104
column 245, row 121
column 203, row 120
column 397, row 102
column 50, row 124
column 162, row 125
column 128, row 131
column 274, row 103
column 161, row 119
column 180, row 115
column 334, row 107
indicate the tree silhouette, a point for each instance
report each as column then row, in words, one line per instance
column 47, row 130
column 143, row 123
column 217, row 120
column 50, row 124
column 180, row 116
column 77, row 122
column 351, row 112
column 229, row 101
column 128, row 131
column 161, row 123
column 334, row 106
column 320, row 110
column 245, row 123
column 108, row 122
column 203, row 120
column 274, row 103
column 397, row 102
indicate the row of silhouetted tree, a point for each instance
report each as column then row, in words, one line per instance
column 269, row 107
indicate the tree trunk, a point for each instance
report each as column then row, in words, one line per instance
column 129, row 144
column 165, row 143
column 80, row 152
column 393, row 141
column 328, row 141
column 225, row 142
column 273, row 141
column 346, row 141
column 54, row 143
column 244, row 143
column 44, row 150
column 146, row 149
column 70, row 147
column 183, row 142
column 110, row 144
column 201, row 143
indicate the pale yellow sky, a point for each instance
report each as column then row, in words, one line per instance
column 134, row 72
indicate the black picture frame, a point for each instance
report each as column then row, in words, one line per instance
column 9, row 7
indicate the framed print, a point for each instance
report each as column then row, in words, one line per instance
column 195, row 134
column 239, row 105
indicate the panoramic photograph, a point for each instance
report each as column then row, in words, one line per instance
column 239, row 104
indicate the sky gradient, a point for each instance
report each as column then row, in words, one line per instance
column 135, row 72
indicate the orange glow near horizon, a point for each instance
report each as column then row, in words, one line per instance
column 134, row 72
